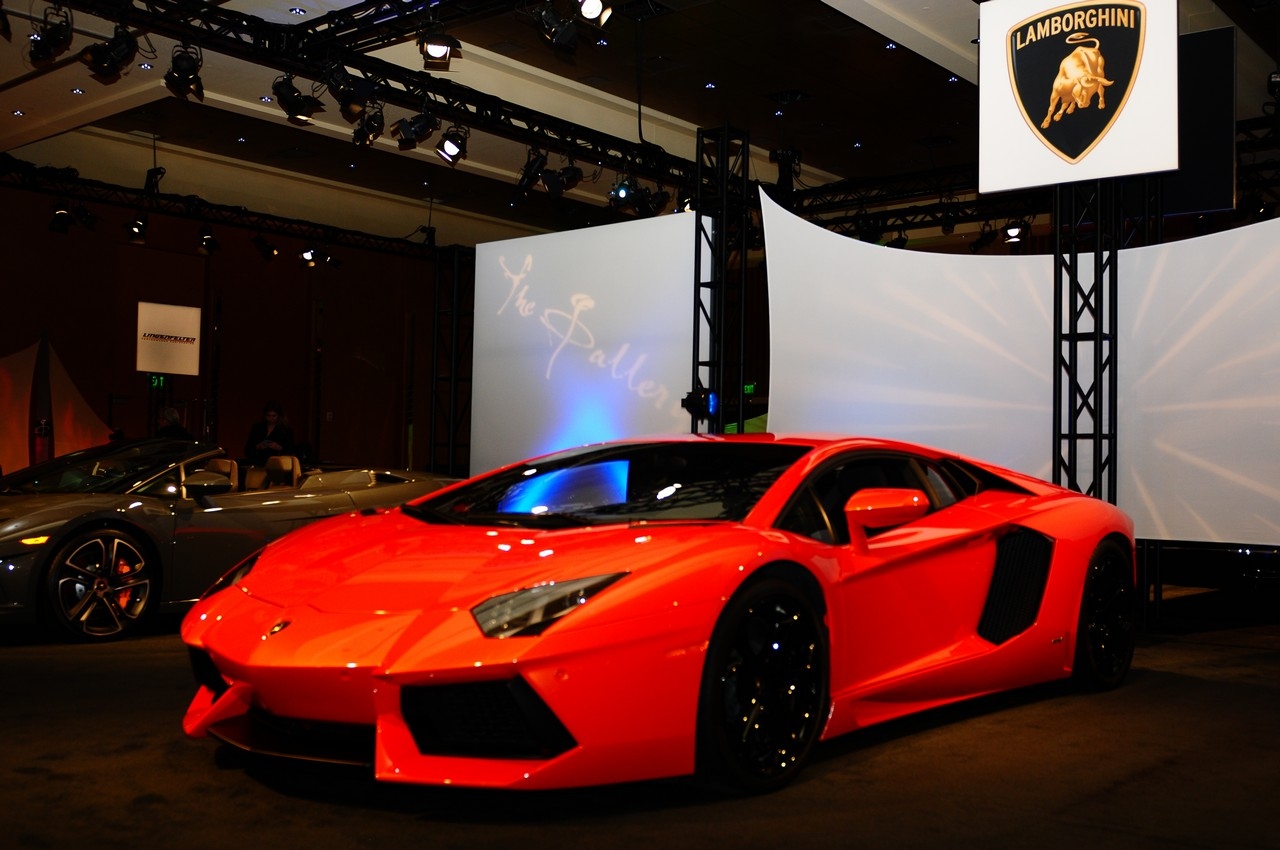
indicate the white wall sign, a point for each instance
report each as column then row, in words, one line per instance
column 1076, row 92
column 168, row 339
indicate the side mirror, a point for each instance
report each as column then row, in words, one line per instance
column 881, row 507
column 201, row 485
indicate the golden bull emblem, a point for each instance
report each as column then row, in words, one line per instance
column 1059, row 52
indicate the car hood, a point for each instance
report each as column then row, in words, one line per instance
column 392, row 563
column 28, row 512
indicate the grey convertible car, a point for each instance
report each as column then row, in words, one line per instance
column 96, row 540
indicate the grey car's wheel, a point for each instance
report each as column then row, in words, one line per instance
column 100, row 584
column 764, row 689
column 1107, row 629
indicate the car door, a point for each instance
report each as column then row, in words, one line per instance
column 911, row 599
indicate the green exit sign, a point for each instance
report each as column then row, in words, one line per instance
column 158, row 382
column 750, row 388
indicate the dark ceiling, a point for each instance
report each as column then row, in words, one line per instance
column 799, row 77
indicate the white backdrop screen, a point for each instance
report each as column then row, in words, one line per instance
column 581, row 336
column 954, row 352
column 957, row 352
column 1200, row 387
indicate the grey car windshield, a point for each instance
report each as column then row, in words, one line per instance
column 620, row 483
column 111, row 468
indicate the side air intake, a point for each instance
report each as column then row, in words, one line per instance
column 1017, row 586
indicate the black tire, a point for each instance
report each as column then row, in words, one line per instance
column 764, row 691
column 1107, row 628
column 100, row 585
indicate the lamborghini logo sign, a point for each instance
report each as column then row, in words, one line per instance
column 1072, row 70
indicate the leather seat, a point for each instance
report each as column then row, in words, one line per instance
column 225, row 466
column 282, row 471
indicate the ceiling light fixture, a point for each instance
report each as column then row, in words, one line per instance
column 298, row 106
column 312, row 256
column 183, row 76
column 561, row 32
column 207, row 243
column 558, row 182
column 369, row 130
column 529, row 175
column 51, row 36
column 108, row 60
column 594, row 11
column 413, row 129
column 354, row 94
column 453, row 144
column 62, row 219
column 265, row 248
column 623, row 192
column 137, row 230
column 437, row 47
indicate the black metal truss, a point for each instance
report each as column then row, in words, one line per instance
column 67, row 185
column 1087, row 223
column 312, row 50
column 721, row 234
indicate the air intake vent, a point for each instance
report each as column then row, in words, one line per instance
column 1017, row 586
column 504, row 719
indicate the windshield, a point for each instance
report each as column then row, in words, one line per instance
column 620, row 483
column 112, row 468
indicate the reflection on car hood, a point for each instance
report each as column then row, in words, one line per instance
column 21, row 512
column 391, row 563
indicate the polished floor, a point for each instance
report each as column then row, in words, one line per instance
column 1185, row 755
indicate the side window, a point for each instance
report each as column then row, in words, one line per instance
column 806, row 517
column 818, row 511
column 944, row 491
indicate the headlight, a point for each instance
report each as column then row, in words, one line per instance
column 530, row 611
column 234, row 575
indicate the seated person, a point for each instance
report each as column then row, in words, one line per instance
column 268, row 437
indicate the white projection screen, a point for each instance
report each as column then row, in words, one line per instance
column 581, row 336
column 953, row 352
column 957, row 352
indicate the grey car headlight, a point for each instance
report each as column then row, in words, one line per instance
column 531, row 610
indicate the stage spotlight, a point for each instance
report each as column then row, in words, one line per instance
column 947, row 221
column 561, row 32
column 298, row 106
column 51, row 36
column 183, row 76
column 265, row 248
column 453, row 144
column 594, row 11
column 529, row 175
column 623, row 192
column 154, row 176
column 312, row 256
column 437, row 47
column 62, row 219
column 369, row 130
column 108, row 59
column 137, row 229
column 414, row 129
column 352, row 93
column 558, row 182
column 1014, row 231
column 206, row 243
column 899, row 241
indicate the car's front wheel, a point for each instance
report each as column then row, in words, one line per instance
column 1107, row 629
column 100, row 584
column 764, row 689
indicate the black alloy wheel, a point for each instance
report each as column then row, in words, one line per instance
column 99, row 585
column 1107, row 629
column 764, row 689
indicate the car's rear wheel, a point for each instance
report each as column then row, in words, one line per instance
column 764, row 689
column 1107, row 629
column 100, row 584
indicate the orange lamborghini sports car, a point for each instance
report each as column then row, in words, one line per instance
column 709, row 606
